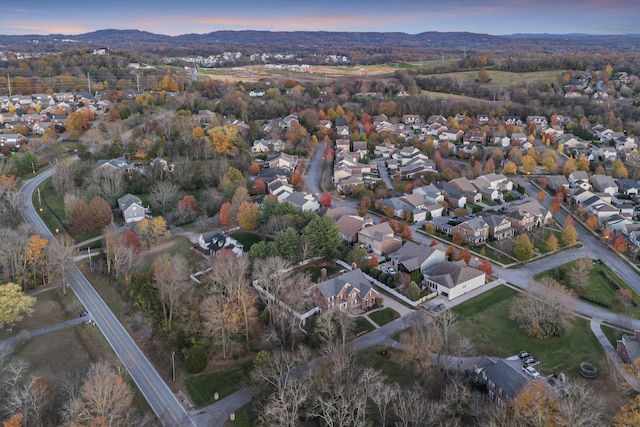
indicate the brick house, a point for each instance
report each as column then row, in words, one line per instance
column 350, row 291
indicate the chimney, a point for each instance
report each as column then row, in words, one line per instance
column 395, row 262
column 354, row 266
column 323, row 275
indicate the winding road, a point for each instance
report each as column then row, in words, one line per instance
column 159, row 396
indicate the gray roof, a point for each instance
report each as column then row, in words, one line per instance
column 127, row 200
column 412, row 255
column 354, row 279
column 506, row 376
column 451, row 274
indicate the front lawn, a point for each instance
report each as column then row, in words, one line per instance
column 602, row 289
column 384, row 316
column 226, row 380
column 362, row 326
column 246, row 239
column 485, row 320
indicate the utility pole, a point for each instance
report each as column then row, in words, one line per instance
column 138, row 81
column 88, row 82
column 173, row 365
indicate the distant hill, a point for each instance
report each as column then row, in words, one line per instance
column 319, row 40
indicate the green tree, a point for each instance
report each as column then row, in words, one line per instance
column 324, row 236
column 287, row 243
column 523, row 249
column 231, row 181
column 413, row 291
column 15, row 304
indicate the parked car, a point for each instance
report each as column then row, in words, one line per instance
column 530, row 360
column 531, row 371
column 391, row 271
column 436, row 308
column 524, row 354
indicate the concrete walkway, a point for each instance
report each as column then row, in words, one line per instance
column 613, row 355
column 7, row 345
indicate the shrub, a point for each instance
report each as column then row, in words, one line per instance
column 195, row 360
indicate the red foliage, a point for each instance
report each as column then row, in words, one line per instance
column 189, row 201
column 373, row 261
column 328, row 154
column 254, row 169
column 406, row 232
column 463, row 254
column 433, row 243
column 395, row 226
column 486, row 266
column 259, row 187
column 225, row 214
column 131, row 239
column 297, row 181
column 620, row 245
column 409, row 188
column 325, row 199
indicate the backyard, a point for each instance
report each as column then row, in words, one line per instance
column 225, row 379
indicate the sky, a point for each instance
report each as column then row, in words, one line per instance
column 174, row 17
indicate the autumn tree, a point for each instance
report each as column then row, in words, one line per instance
column 15, row 304
column 247, row 216
column 231, row 180
column 529, row 164
column 536, row 405
column 592, row 222
column 463, row 254
column 569, row 235
column 187, row 208
column 325, row 199
column 619, row 170
column 297, row 181
column 259, row 187
column 523, row 248
column 582, row 163
column 542, row 196
column 545, row 311
column 224, row 217
column 628, row 414
column 552, row 243
column 486, row 267
column 554, row 207
column 152, row 230
column 620, row 244
column 254, row 168
column 569, row 166
column 35, row 259
column 510, row 168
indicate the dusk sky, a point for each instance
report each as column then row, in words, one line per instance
column 409, row 16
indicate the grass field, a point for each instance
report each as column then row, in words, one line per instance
column 598, row 288
column 246, row 238
column 384, row 316
column 485, row 320
column 225, row 380
column 176, row 246
column 389, row 362
column 503, row 78
column 362, row 325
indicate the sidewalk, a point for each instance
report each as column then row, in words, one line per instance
column 613, row 355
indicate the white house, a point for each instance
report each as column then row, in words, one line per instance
column 453, row 279
column 132, row 208
column 214, row 241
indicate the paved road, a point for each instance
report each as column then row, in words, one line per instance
column 160, row 398
column 314, row 173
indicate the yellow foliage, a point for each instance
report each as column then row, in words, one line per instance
column 35, row 248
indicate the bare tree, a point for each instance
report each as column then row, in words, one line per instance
column 109, row 184
column 421, row 341
column 104, row 399
column 31, row 398
column 115, row 130
column 414, row 409
column 125, row 258
column 580, row 406
column 580, row 272
column 63, row 178
column 163, row 195
column 220, row 318
column 545, row 311
column 12, row 247
column 60, row 255
column 171, row 277
column 383, row 395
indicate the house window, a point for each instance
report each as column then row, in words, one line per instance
column 492, row 395
column 492, row 384
column 366, row 303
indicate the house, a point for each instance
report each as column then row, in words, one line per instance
column 13, row 140
column 628, row 347
column 434, row 210
column 431, row 193
column 542, row 215
column 453, row 279
column 453, row 196
column 473, row 230
column 215, row 241
column 282, row 160
column 630, row 187
column 499, row 227
column 557, row 182
column 267, row 145
column 503, row 378
column 120, row 164
column 467, row 188
column 350, row 291
column 349, row 225
column 604, row 184
column 303, row 201
column 132, row 208
column 414, row 257
column 379, row 239
column 451, row 135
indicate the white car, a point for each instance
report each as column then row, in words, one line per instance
column 391, row 271
column 531, row 371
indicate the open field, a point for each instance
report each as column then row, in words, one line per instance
column 485, row 320
column 599, row 288
column 503, row 79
